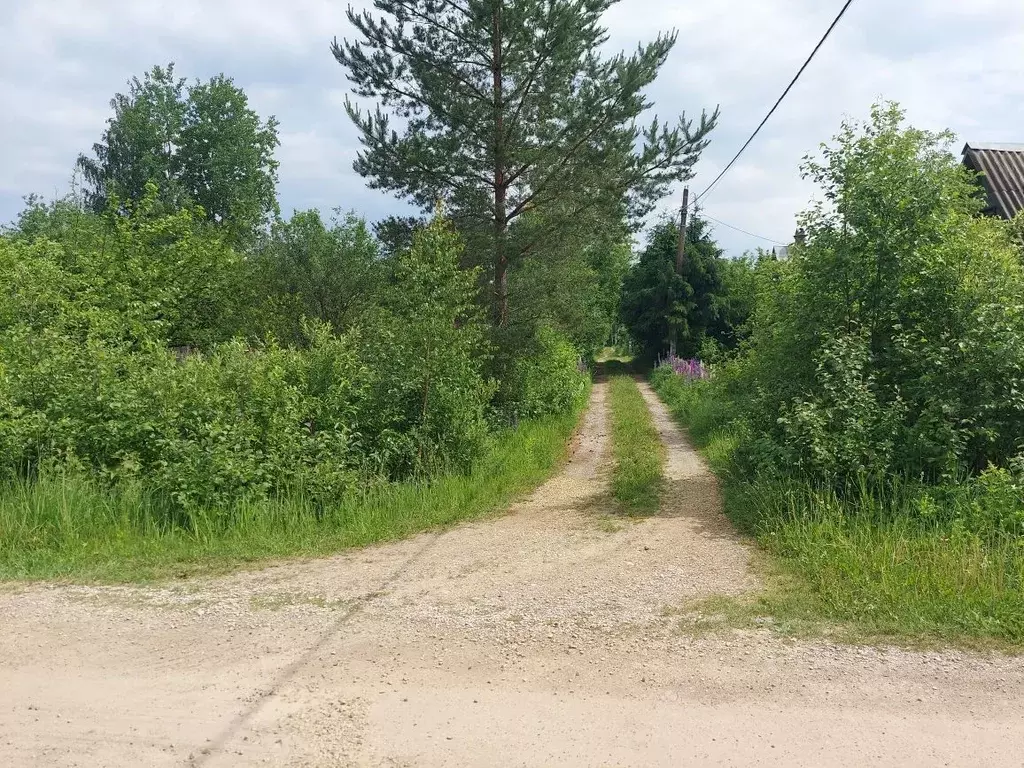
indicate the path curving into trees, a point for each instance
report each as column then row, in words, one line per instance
column 548, row 636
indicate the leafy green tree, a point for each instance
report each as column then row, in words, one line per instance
column 659, row 305
column 147, row 275
column 427, row 347
column 893, row 341
column 738, row 296
column 306, row 269
column 140, row 142
column 508, row 109
column 200, row 144
column 225, row 159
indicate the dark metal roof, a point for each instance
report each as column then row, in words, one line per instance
column 1003, row 179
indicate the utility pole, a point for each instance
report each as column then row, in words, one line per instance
column 681, row 251
column 680, row 255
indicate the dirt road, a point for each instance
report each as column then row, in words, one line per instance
column 544, row 637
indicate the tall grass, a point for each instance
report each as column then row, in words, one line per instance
column 637, row 478
column 903, row 560
column 871, row 560
column 68, row 527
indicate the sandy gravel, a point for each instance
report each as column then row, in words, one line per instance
column 549, row 636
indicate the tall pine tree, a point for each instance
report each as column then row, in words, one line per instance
column 506, row 108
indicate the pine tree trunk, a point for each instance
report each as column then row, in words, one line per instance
column 500, row 213
column 500, row 278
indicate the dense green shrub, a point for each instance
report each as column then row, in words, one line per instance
column 144, row 275
column 173, row 276
column 426, row 349
column 88, row 379
column 893, row 341
column 545, row 378
column 230, row 424
column 893, row 557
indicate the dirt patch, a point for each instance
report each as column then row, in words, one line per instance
column 538, row 638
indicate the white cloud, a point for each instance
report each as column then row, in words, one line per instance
column 951, row 63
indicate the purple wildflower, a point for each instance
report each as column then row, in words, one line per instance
column 690, row 369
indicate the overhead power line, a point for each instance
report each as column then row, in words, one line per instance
column 789, row 87
column 745, row 232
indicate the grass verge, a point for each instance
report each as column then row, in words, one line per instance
column 864, row 566
column 68, row 528
column 637, row 479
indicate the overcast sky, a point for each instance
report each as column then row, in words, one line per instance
column 955, row 64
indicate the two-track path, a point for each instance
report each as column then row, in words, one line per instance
column 543, row 637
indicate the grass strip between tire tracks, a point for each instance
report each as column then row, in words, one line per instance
column 638, row 477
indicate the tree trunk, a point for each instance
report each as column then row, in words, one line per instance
column 500, row 281
column 500, row 185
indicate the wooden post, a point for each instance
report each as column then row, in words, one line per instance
column 680, row 253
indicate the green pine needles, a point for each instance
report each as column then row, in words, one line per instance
column 509, row 113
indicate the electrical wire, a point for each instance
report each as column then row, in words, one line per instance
column 730, row 226
column 789, row 87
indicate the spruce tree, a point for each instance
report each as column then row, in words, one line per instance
column 507, row 110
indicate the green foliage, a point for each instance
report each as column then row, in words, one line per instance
column 428, row 349
column 869, row 432
column 394, row 233
column 225, row 158
column 146, row 275
column 904, row 560
column 659, row 305
column 182, row 361
column 893, row 341
column 87, row 379
column 64, row 525
column 307, row 270
column 1017, row 233
column 703, row 405
column 509, row 112
column 638, row 478
column 586, row 314
column 544, row 378
column 139, row 144
column 199, row 144
column 735, row 300
column 843, row 430
column 234, row 424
